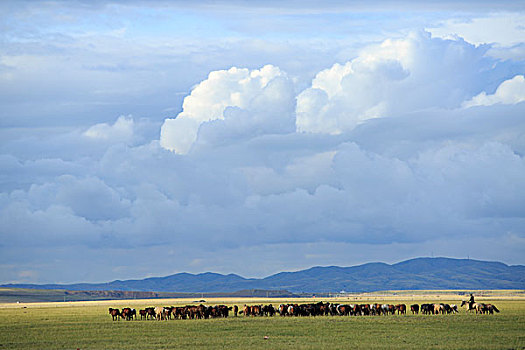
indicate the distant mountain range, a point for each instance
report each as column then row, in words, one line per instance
column 414, row 274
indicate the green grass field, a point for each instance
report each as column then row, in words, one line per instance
column 89, row 326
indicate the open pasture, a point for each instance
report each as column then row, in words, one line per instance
column 87, row 325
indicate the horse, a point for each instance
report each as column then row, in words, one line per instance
column 190, row 311
column 143, row 314
column 365, row 309
column 427, row 309
column 491, row 308
column 126, row 314
column 487, row 308
column 282, row 309
column 343, row 310
column 401, row 309
column 179, row 313
column 268, row 310
column 333, row 309
column 115, row 313
column 391, row 309
column 150, row 313
column 167, row 310
column 439, row 309
column 247, row 310
column 256, row 310
column 473, row 306
column 159, row 313
column 292, row 310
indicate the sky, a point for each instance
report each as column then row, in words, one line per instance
column 147, row 138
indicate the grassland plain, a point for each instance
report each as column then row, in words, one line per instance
column 87, row 325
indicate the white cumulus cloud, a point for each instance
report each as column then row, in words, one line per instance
column 233, row 102
column 396, row 77
column 120, row 131
column 509, row 92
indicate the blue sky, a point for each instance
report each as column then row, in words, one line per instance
column 149, row 138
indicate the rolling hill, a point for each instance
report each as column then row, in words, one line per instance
column 414, row 274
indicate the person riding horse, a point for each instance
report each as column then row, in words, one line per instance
column 471, row 301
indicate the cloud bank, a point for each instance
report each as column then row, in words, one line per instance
column 412, row 146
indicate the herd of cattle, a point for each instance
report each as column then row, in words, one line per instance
column 313, row 309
